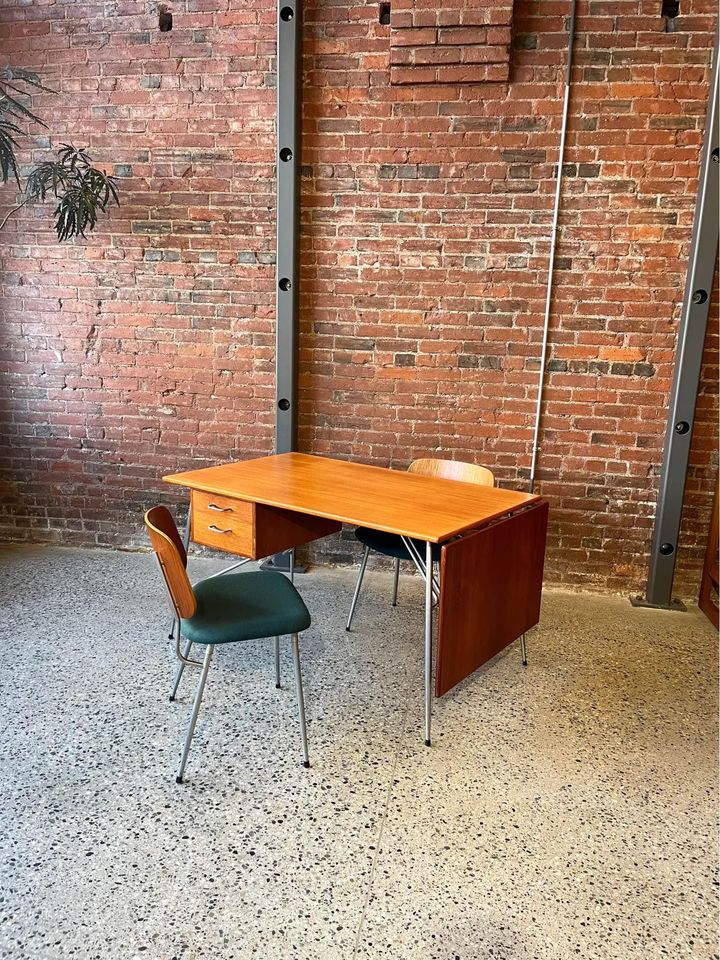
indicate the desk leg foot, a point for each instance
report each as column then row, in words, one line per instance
column 523, row 650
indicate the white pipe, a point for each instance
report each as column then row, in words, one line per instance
column 553, row 238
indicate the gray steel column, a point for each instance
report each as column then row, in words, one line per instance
column 686, row 376
column 289, row 118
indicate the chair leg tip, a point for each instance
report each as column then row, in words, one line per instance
column 306, row 764
column 178, row 779
column 278, row 686
column 427, row 743
column 171, row 699
column 524, row 663
column 347, row 629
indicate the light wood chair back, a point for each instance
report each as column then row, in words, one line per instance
column 172, row 557
column 454, row 470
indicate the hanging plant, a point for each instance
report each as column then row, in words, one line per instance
column 81, row 190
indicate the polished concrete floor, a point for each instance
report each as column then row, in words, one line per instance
column 564, row 810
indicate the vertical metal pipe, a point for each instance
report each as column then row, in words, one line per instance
column 289, row 141
column 690, row 345
column 553, row 240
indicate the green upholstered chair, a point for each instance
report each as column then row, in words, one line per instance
column 390, row 545
column 225, row 609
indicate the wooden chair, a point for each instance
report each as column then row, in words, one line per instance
column 226, row 609
column 391, row 545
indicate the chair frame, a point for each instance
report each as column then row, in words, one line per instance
column 171, row 556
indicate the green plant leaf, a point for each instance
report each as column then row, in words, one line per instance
column 8, row 143
column 26, row 76
column 81, row 189
column 47, row 175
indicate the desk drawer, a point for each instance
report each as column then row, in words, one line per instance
column 223, row 523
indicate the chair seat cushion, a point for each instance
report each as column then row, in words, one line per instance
column 245, row 606
column 390, row 545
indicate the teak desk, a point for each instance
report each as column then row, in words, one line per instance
column 493, row 540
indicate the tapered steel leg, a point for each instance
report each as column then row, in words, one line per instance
column 300, row 698
column 180, row 670
column 357, row 586
column 523, row 650
column 195, row 711
column 277, row 662
column 428, row 639
column 395, row 581
column 292, row 565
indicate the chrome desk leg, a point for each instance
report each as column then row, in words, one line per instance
column 395, row 581
column 195, row 711
column 291, row 564
column 180, row 670
column 357, row 586
column 523, row 650
column 300, row 698
column 277, row 662
column 428, row 639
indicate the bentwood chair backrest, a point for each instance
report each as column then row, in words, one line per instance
column 172, row 557
column 454, row 470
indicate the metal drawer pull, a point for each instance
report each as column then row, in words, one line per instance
column 214, row 506
column 217, row 529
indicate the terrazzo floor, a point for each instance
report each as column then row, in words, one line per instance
column 565, row 810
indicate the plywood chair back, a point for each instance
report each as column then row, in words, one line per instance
column 172, row 557
column 454, row 470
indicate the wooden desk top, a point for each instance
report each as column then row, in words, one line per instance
column 395, row 501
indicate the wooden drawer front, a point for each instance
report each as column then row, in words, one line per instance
column 223, row 523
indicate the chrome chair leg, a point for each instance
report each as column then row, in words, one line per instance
column 300, row 698
column 195, row 711
column 395, row 581
column 180, row 670
column 523, row 650
column 357, row 586
column 277, row 662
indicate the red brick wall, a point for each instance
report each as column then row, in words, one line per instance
column 426, row 212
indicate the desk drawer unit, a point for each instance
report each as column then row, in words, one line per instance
column 252, row 529
column 223, row 523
